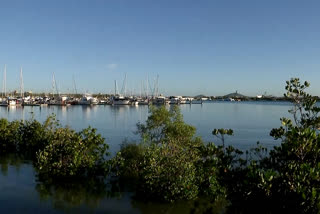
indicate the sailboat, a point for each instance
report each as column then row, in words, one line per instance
column 119, row 99
column 59, row 100
column 87, row 99
column 6, row 101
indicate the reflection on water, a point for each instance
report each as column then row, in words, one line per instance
column 9, row 160
column 69, row 194
column 21, row 191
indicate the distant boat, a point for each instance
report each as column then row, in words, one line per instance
column 134, row 102
column 143, row 102
column 174, row 100
column 59, row 101
column 159, row 100
column 188, row 100
column 230, row 99
column 120, row 100
column 3, row 102
column 87, row 99
column 12, row 102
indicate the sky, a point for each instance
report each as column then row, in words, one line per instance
column 211, row 47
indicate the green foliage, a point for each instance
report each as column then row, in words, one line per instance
column 163, row 125
column 9, row 136
column 73, row 154
column 169, row 172
column 128, row 161
column 168, row 164
column 26, row 137
column 220, row 133
column 55, row 150
column 34, row 137
column 289, row 177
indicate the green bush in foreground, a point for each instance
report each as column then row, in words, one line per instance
column 71, row 153
column 168, row 165
column 296, row 162
column 288, row 179
column 56, row 151
column 173, row 165
column 9, row 136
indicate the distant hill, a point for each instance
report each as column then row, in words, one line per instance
column 200, row 96
column 235, row 95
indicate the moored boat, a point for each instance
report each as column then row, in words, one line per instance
column 120, row 100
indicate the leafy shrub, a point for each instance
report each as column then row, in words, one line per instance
column 163, row 125
column 9, row 136
column 296, row 162
column 128, row 161
column 73, row 154
column 169, row 173
column 289, row 178
column 168, row 164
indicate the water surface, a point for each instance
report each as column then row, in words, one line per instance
column 20, row 192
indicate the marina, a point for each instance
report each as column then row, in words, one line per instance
column 159, row 107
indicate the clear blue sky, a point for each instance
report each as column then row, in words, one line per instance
column 211, row 47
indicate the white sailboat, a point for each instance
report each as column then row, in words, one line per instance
column 7, row 101
column 58, row 100
column 87, row 99
column 4, row 101
column 119, row 99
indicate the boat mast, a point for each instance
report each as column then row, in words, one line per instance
column 147, row 92
column 115, row 88
column 124, row 85
column 4, row 85
column 21, row 84
column 74, row 85
column 154, row 89
column 157, row 86
column 54, row 85
column 141, row 89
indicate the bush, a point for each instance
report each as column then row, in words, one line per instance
column 169, row 173
column 55, row 150
column 128, row 161
column 73, row 154
column 168, row 164
column 289, row 178
column 296, row 162
column 26, row 137
column 9, row 136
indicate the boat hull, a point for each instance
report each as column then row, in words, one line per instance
column 120, row 102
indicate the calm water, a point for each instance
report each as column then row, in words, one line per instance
column 21, row 193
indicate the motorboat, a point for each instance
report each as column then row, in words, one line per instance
column 87, row 99
column 120, row 100
column 159, row 100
